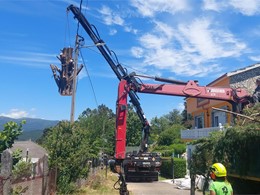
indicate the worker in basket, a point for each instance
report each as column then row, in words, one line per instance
column 220, row 184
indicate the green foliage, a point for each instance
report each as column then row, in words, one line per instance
column 166, row 168
column 17, row 156
column 237, row 148
column 179, row 167
column 134, row 128
column 69, row 150
column 10, row 133
column 165, row 122
column 203, row 156
column 19, row 190
column 170, row 135
column 159, row 124
column 167, row 151
column 186, row 117
column 179, row 148
column 100, row 183
column 43, row 137
column 174, row 117
column 166, row 133
column 166, row 130
column 70, row 146
column 99, row 125
column 22, row 169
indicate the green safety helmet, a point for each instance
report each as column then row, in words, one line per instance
column 219, row 170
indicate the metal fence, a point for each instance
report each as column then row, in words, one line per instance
column 198, row 133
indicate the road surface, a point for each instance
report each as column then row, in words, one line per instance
column 157, row 188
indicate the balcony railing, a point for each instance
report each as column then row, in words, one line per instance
column 199, row 133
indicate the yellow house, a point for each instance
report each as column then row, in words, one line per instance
column 201, row 109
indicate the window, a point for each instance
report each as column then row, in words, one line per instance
column 216, row 123
column 199, row 121
column 218, row 117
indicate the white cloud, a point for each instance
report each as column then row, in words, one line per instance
column 152, row 7
column 165, row 29
column 213, row 5
column 137, row 52
column 181, row 106
column 210, row 42
column 111, row 17
column 15, row 113
column 34, row 59
column 151, row 41
column 256, row 31
column 248, row 7
column 130, row 29
column 255, row 58
column 112, row 31
column 190, row 49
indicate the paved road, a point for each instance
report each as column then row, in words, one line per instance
column 157, row 188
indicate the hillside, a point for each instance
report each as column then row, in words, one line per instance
column 33, row 128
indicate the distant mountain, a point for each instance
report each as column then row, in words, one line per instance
column 32, row 129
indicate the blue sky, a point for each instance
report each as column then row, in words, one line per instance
column 183, row 40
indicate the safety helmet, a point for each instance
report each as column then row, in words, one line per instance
column 219, row 170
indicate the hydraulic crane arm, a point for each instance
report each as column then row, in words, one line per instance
column 119, row 71
column 132, row 86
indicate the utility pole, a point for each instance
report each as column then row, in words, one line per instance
column 75, row 72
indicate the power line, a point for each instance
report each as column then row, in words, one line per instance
column 92, row 87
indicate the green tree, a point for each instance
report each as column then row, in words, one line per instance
column 69, row 149
column 174, row 117
column 166, row 133
column 170, row 135
column 134, row 128
column 159, row 124
column 10, row 133
column 100, row 127
column 186, row 117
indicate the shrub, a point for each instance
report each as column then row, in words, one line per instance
column 179, row 167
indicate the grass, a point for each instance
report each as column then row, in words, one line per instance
column 99, row 184
column 161, row 178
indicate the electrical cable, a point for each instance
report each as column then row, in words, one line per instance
column 84, row 64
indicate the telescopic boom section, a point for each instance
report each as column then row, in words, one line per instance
column 192, row 89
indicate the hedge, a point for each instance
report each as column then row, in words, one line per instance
column 179, row 167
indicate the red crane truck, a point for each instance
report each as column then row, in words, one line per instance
column 144, row 164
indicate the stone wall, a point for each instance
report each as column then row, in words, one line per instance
column 245, row 79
